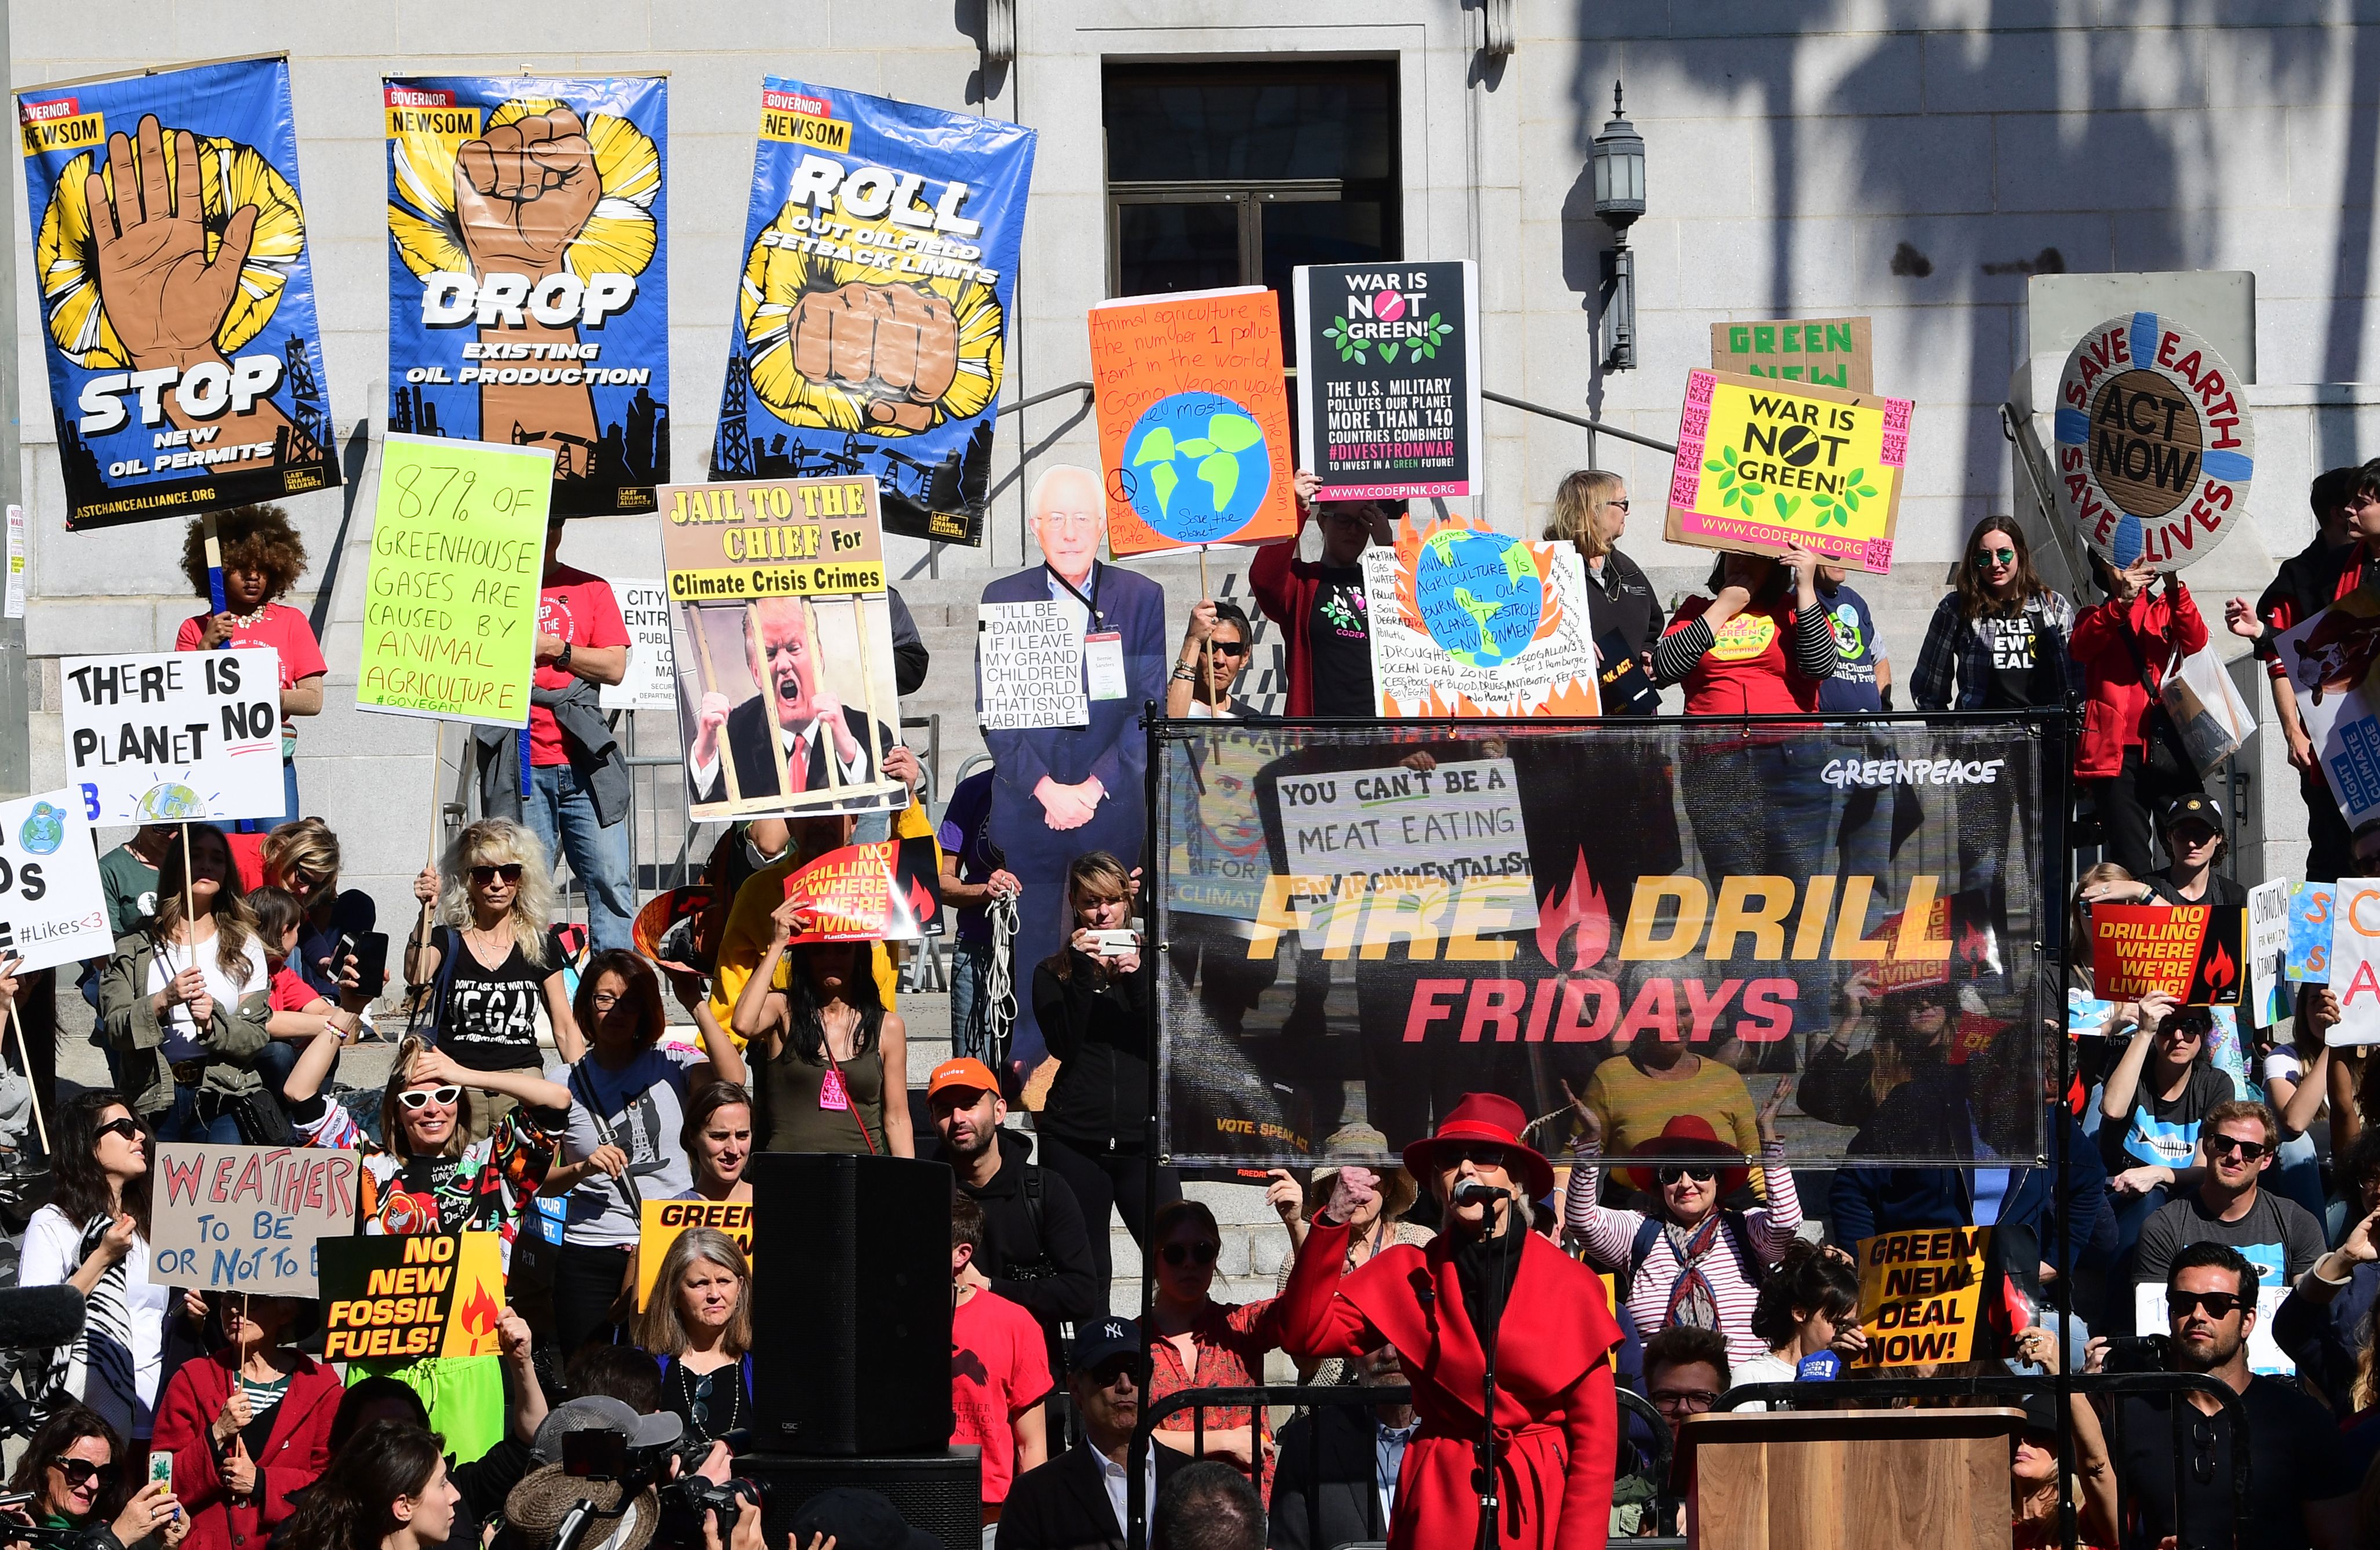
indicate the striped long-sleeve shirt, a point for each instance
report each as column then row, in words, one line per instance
column 1610, row 1234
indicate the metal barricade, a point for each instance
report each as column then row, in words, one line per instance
column 1140, row 1511
column 1844, row 1394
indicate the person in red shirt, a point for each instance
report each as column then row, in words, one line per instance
column 1319, row 604
column 1000, row 1371
column 262, row 558
column 2130, row 757
column 577, row 801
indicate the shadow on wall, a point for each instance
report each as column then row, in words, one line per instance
column 1985, row 157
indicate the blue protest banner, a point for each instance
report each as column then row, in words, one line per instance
column 871, row 313
column 177, row 302
column 529, row 273
column 2307, row 959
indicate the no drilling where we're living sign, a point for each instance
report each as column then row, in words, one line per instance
column 2154, row 446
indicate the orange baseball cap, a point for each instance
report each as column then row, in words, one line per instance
column 964, row 1071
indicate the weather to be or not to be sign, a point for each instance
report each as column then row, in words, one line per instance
column 173, row 736
column 2154, row 446
column 1194, row 424
column 1763, row 465
column 450, row 598
column 246, row 1218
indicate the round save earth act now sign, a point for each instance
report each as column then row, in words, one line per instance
column 2155, row 444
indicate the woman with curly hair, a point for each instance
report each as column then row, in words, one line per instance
column 491, row 957
column 262, row 558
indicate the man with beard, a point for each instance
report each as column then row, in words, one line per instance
column 2300, row 1490
column 811, row 725
column 1037, row 1251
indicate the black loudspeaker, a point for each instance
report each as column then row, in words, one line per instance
column 851, row 1278
column 939, row 1492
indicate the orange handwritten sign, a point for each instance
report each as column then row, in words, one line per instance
column 1193, row 421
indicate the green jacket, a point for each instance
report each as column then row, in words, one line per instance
column 232, row 1036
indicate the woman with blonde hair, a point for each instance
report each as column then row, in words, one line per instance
column 491, row 957
column 302, row 859
column 1591, row 513
column 185, row 999
column 697, row 1322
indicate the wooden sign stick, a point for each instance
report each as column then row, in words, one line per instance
column 1206, row 645
column 25, row 1053
column 416, row 970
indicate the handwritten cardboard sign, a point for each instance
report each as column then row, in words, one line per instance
column 2355, row 961
column 1921, row 1294
column 1829, row 352
column 2268, row 941
column 2192, row 952
column 432, row 1294
column 450, row 595
column 1030, row 667
column 247, row 1219
column 664, row 1220
column 1469, row 621
column 1762, row 464
column 1193, row 423
column 174, row 736
column 1432, row 845
column 882, row 891
column 50, row 907
column 2307, row 960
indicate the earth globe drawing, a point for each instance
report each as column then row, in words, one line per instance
column 1198, row 466
column 171, row 804
column 1479, row 595
column 44, row 830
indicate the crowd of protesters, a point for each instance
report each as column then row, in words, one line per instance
column 2230, row 1209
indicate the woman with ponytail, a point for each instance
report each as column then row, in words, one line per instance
column 385, row 1490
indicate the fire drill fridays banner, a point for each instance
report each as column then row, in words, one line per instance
column 177, row 293
column 1683, row 889
column 879, row 269
column 529, row 273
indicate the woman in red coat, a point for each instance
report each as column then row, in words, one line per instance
column 1557, row 1427
column 2126, row 648
column 247, row 1425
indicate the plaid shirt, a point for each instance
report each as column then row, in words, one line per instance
column 1963, row 647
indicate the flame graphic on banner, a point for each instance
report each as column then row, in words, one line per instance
column 1579, row 912
column 2219, row 971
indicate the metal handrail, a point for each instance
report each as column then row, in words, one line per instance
column 2019, row 1385
column 1200, row 1400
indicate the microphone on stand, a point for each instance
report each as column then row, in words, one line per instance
column 1472, row 1190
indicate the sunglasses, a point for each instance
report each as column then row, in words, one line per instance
column 2220, row 1305
column 81, row 1472
column 1994, row 557
column 422, row 1097
column 1227, row 648
column 510, row 871
column 1701, row 1173
column 1478, row 1156
column 125, row 1128
column 1177, row 1254
column 2249, row 1150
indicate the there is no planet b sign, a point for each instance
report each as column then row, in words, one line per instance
column 2154, row 448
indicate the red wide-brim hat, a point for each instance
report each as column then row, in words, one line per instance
column 1485, row 1118
column 1689, row 1135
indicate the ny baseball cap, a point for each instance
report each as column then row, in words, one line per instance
column 2196, row 805
column 964, row 1071
column 1102, row 1340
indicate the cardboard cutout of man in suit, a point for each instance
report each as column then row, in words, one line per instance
column 782, row 648
column 1063, row 791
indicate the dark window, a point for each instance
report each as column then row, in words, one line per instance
column 1235, row 174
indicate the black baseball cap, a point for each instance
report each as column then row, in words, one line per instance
column 1104, row 1340
column 2196, row 805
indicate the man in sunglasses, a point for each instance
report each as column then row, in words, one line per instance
column 2276, row 1235
column 2300, row 1485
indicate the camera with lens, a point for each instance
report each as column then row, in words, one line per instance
column 2137, row 1353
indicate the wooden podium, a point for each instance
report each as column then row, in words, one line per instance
column 1848, row 1480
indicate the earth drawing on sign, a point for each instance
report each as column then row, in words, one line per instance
column 1198, row 466
column 1479, row 595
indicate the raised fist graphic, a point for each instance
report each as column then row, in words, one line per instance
column 524, row 191
column 895, row 347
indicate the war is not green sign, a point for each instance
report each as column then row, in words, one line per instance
column 1831, row 352
column 451, row 595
